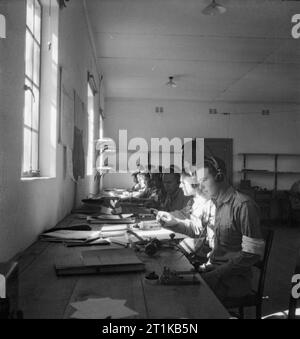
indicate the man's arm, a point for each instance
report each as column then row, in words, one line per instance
column 191, row 228
column 247, row 218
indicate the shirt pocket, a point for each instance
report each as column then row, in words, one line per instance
column 229, row 237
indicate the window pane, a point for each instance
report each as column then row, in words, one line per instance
column 90, row 157
column 29, row 55
column 35, row 109
column 29, row 19
column 35, row 150
column 37, row 21
column 28, row 106
column 27, row 150
column 36, row 64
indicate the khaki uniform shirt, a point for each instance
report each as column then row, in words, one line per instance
column 234, row 236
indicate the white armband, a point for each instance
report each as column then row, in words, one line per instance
column 253, row 246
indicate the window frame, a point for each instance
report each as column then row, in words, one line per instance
column 34, row 86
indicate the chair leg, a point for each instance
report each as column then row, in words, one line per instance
column 258, row 312
column 241, row 312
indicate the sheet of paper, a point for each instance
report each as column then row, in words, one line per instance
column 102, row 309
column 109, row 256
column 121, row 239
column 114, row 228
column 162, row 234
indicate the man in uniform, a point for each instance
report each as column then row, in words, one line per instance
column 235, row 237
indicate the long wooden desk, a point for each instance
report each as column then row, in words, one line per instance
column 44, row 295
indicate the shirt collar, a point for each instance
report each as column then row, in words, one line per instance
column 224, row 197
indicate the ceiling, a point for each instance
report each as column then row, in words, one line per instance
column 245, row 55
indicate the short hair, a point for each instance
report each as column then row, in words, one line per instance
column 216, row 166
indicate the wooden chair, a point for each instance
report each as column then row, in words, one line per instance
column 256, row 298
column 291, row 313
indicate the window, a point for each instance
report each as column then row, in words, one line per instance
column 91, row 149
column 32, row 88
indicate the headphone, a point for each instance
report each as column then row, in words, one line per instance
column 220, row 176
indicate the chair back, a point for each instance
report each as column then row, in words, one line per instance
column 293, row 301
column 263, row 264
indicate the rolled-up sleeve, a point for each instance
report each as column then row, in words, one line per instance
column 248, row 220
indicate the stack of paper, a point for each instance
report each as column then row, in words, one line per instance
column 111, row 219
column 102, row 309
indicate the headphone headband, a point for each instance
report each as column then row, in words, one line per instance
column 215, row 164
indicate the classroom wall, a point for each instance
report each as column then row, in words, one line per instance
column 28, row 207
column 251, row 131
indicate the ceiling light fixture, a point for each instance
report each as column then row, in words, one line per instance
column 171, row 83
column 214, row 9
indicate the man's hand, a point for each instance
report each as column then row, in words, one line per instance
column 166, row 219
column 205, row 268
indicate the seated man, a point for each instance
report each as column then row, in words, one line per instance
column 143, row 188
column 195, row 221
column 236, row 243
column 174, row 198
column 136, row 187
